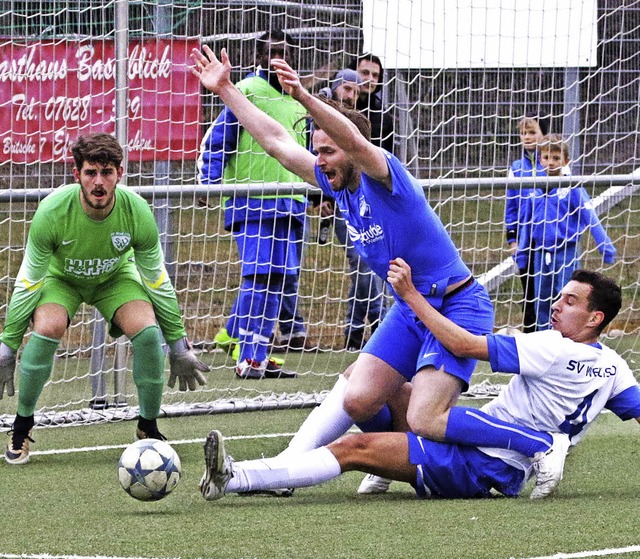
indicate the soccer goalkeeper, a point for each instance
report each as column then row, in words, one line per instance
column 94, row 242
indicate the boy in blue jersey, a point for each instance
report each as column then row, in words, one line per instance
column 553, row 222
column 531, row 129
column 567, row 360
column 387, row 217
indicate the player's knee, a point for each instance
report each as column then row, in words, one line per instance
column 358, row 408
column 53, row 329
column 51, row 321
column 348, row 450
column 427, row 423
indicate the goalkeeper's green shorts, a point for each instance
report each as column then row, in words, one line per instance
column 123, row 286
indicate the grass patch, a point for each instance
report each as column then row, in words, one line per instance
column 72, row 504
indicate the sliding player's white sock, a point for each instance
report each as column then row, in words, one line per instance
column 324, row 424
column 296, row 470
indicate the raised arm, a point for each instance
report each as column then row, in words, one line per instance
column 457, row 340
column 215, row 75
column 339, row 128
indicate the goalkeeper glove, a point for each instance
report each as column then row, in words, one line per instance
column 185, row 366
column 7, row 368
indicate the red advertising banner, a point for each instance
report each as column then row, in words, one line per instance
column 53, row 92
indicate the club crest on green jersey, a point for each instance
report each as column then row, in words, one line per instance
column 120, row 240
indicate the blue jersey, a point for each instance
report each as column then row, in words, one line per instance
column 527, row 166
column 560, row 217
column 384, row 225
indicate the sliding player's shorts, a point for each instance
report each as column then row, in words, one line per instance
column 457, row 471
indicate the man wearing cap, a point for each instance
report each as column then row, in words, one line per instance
column 344, row 88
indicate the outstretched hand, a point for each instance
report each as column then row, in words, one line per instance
column 399, row 276
column 185, row 367
column 214, row 74
column 288, row 77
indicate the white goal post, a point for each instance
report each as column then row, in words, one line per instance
column 457, row 78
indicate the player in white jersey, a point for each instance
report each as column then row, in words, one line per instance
column 563, row 378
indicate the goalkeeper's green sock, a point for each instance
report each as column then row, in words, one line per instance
column 35, row 368
column 148, row 370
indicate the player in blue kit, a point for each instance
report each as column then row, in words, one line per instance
column 563, row 378
column 387, row 217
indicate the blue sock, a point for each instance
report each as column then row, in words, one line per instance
column 380, row 423
column 232, row 322
column 469, row 426
column 264, row 323
column 251, row 303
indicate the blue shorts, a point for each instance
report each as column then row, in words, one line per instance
column 460, row 472
column 404, row 343
column 270, row 246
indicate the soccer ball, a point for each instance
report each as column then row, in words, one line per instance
column 149, row 469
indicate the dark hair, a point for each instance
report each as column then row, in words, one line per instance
column 605, row 296
column 362, row 122
column 97, row 148
column 355, row 62
column 274, row 35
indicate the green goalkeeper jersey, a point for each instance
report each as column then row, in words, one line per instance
column 67, row 244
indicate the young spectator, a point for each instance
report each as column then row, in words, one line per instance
column 268, row 229
column 553, row 222
column 543, row 365
column 94, row 242
column 531, row 129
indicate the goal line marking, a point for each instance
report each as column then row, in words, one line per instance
column 577, row 555
column 176, row 442
column 49, row 556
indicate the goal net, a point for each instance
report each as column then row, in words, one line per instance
column 457, row 77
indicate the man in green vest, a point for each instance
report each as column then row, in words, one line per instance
column 268, row 229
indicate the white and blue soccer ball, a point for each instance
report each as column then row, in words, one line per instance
column 149, row 469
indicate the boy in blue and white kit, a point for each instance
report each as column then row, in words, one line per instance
column 388, row 217
column 563, row 378
column 531, row 129
column 554, row 221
